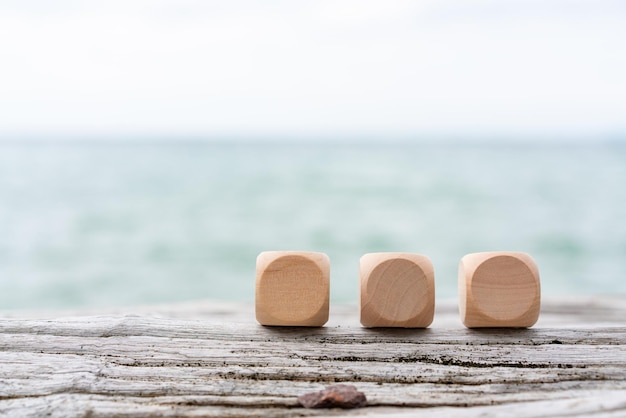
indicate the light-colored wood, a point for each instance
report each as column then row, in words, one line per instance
column 212, row 359
column 292, row 288
column 499, row 289
column 396, row 290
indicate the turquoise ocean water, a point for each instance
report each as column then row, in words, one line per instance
column 120, row 223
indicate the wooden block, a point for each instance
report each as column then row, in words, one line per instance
column 397, row 290
column 499, row 289
column 292, row 288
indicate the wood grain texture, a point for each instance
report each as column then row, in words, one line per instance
column 210, row 359
column 292, row 288
column 396, row 290
column 499, row 289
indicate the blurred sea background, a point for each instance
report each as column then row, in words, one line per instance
column 128, row 222
column 150, row 149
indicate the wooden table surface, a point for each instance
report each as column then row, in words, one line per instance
column 212, row 359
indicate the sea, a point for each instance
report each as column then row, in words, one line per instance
column 96, row 223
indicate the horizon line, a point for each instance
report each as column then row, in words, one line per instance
column 302, row 137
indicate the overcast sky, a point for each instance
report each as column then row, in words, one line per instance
column 313, row 68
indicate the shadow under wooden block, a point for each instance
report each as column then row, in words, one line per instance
column 292, row 288
column 397, row 290
column 499, row 289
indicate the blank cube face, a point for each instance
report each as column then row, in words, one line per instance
column 292, row 288
column 397, row 290
column 499, row 289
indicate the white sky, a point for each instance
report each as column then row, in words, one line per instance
column 337, row 67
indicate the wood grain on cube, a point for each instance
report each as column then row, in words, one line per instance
column 499, row 289
column 292, row 288
column 397, row 290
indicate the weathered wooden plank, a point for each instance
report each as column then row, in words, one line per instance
column 167, row 365
column 132, row 324
column 562, row 312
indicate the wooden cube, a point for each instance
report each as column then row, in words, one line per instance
column 499, row 289
column 292, row 288
column 397, row 290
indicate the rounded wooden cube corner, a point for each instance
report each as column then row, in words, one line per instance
column 499, row 289
column 292, row 288
column 396, row 290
